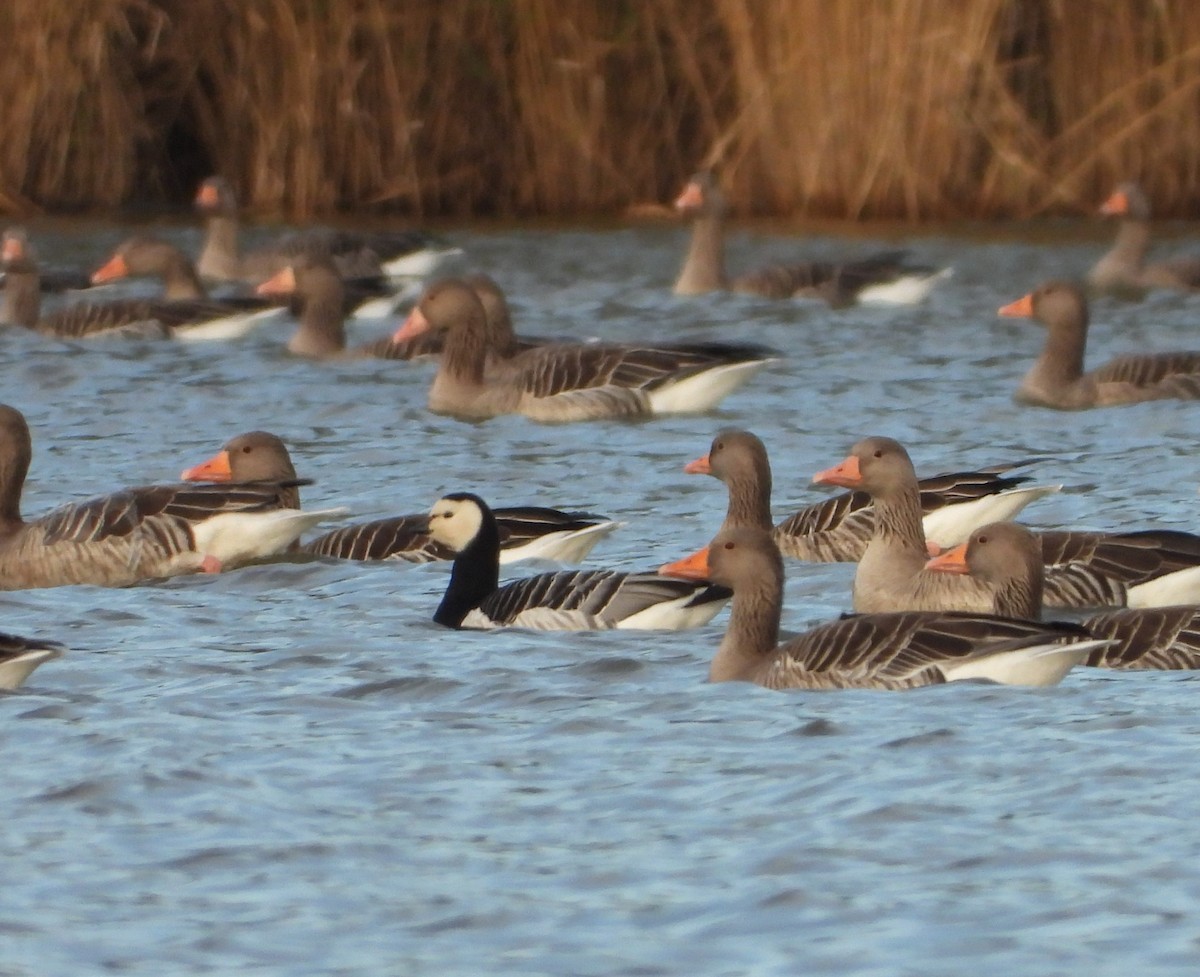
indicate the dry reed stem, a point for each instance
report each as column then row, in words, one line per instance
column 864, row 108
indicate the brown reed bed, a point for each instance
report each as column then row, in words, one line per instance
column 911, row 109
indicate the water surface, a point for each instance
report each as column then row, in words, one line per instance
column 289, row 770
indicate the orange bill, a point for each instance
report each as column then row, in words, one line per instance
column 691, row 197
column 216, row 469
column 207, row 196
column 701, row 466
column 14, row 249
column 694, row 567
column 952, row 561
column 1022, row 308
column 415, row 325
column 1115, row 206
column 111, row 270
column 847, row 474
column 282, row 283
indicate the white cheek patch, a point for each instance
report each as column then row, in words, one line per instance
column 456, row 523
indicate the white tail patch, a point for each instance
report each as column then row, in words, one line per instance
column 702, row 391
column 952, row 524
column 233, row 326
column 236, row 537
column 387, row 306
column 906, row 290
column 419, row 264
column 14, row 671
column 1180, row 587
column 563, row 546
column 673, row 615
column 1036, row 665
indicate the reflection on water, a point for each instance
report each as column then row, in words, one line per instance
column 290, row 769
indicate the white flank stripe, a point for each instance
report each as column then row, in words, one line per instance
column 1180, row 587
column 907, row 290
column 564, row 546
column 16, row 670
column 952, row 524
column 233, row 326
column 235, row 537
column 702, row 391
column 1036, row 665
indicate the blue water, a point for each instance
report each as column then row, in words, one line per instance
column 288, row 770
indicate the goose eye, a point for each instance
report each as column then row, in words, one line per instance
column 718, row 446
column 246, row 450
column 729, row 546
column 878, row 452
column 981, row 539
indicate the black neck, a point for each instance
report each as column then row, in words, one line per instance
column 474, row 575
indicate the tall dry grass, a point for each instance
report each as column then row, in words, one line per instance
column 913, row 109
column 74, row 114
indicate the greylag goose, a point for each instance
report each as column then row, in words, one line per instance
column 867, row 651
column 1124, row 266
column 1008, row 559
column 1057, row 378
column 568, row 381
column 320, row 296
column 49, row 279
column 839, row 528
column 120, row 317
column 526, row 532
column 570, row 600
column 143, row 255
column 137, row 533
column 357, row 255
column 881, row 278
column 1082, row 569
column 20, row 656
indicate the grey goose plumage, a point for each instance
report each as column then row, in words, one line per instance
column 357, row 255
column 320, row 299
column 1008, row 559
column 557, row 382
column 1057, row 379
column 1082, row 569
column 526, row 532
column 838, row 283
column 136, row 317
column 1124, row 266
column 839, row 528
column 137, row 533
column 874, row 651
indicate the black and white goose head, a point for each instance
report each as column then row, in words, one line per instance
column 464, row 523
column 459, row 520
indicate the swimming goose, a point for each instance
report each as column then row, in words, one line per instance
column 1124, row 266
column 233, row 316
column 320, row 293
column 55, row 279
column 1057, row 378
column 526, row 532
column 839, row 528
column 137, row 533
column 1082, row 569
column 568, row 381
column 20, row 656
column 1008, row 559
column 357, row 255
column 867, row 651
column 571, row 600
column 156, row 318
column 881, row 278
